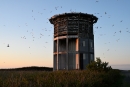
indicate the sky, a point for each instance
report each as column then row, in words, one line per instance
column 25, row 26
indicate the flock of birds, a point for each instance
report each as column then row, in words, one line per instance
column 45, row 29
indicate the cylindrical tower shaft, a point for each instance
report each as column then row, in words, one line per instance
column 73, row 40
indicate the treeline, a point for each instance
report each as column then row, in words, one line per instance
column 31, row 68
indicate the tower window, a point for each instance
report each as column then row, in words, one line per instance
column 91, row 44
column 83, row 43
column 84, row 57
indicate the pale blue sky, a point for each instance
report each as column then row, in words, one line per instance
column 20, row 19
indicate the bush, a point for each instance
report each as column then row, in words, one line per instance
column 98, row 65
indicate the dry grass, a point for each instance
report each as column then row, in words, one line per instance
column 58, row 78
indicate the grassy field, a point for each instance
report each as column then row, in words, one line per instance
column 75, row 78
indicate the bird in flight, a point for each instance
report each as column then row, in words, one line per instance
column 8, row 45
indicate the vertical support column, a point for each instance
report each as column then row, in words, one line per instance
column 77, row 61
column 67, row 53
column 88, row 42
column 93, row 44
column 53, row 55
column 57, row 53
column 88, row 49
column 77, row 53
column 67, row 62
column 93, row 50
column 77, row 44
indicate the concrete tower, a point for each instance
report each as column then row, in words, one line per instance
column 73, row 40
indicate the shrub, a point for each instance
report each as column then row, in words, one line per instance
column 98, row 65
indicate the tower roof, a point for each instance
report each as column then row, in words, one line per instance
column 94, row 18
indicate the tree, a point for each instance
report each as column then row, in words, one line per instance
column 98, row 65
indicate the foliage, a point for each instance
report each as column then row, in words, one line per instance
column 74, row 78
column 98, row 65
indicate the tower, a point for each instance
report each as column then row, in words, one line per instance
column 73, row 45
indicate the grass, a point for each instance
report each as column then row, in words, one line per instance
column 119, row 82
column 74, row 78
column 126, row 78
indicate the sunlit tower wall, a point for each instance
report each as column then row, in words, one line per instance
column 73, row 45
